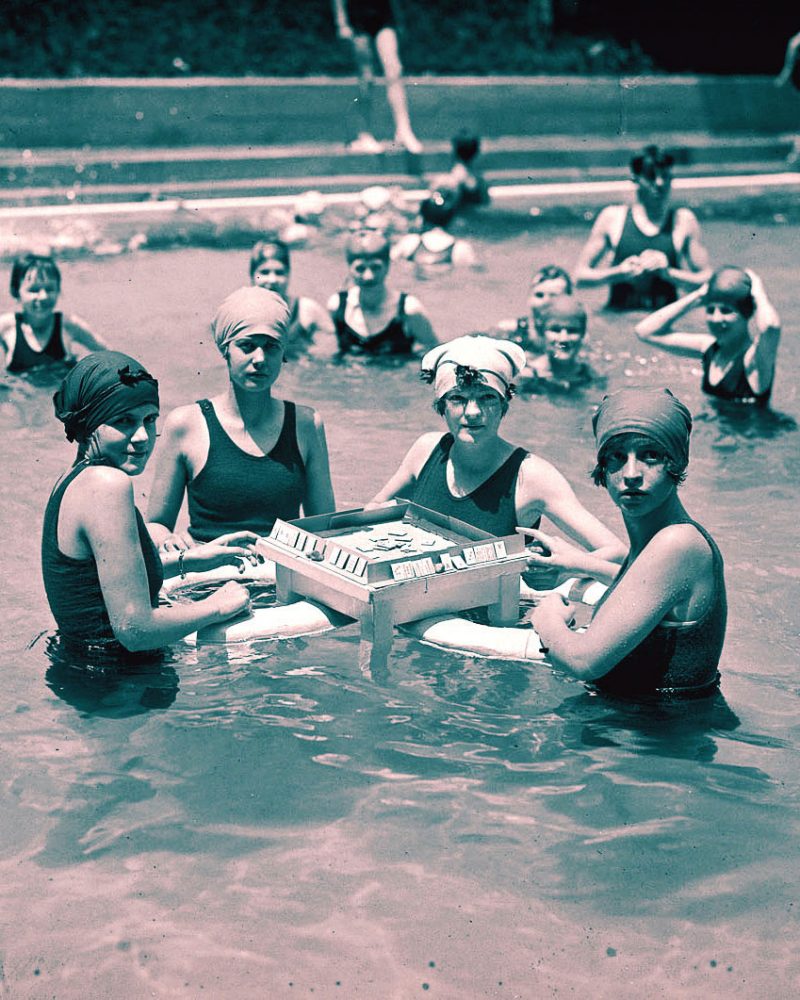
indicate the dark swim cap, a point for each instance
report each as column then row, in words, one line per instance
column 731, row 286
column 654, row 413
column 273, row 249
column 651, row 161
column 101, row 388
column 550, row 272
column 564, row 308
column 439, row 207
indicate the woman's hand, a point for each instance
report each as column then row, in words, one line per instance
column 177, row 540
column 552, row 608
column 550, row 558
column 236, row 548
column 231, row 599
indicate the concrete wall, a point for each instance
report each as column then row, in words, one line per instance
column 36, row 114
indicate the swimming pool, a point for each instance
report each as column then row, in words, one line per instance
column 267, row 821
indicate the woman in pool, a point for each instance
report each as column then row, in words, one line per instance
column 738, row 352
column 369, row 318
column 39, row 335
column 244, row 457
column 548, row 283
column 561, row 367
column 270, row 268
column 475, row 475
column 660, row 627
column 101, row 570
column 433, row 249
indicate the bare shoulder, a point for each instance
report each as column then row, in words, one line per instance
column 421, row 450
column 183, row 420
column 112, row 483
column 8, row 321
column 537, row 471
column 413, row 306
column 308, row 419
column 681, row 546
column 608, row 217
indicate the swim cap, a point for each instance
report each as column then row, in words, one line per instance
column 654, row 413
column 732, row 286
column 248, row 311
column 564, row 308
column 367, row 243
column 439, row 207
column 273, row 249
column 549, row 273
column 101, row 388
column 651, row 161
column 474, row 359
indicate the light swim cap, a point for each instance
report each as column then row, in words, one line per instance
column 470, row 360
column 564, row 309
column 367, row 243
column 654, row 413
column 731, row 286
column 249, row 311
column 101, row 388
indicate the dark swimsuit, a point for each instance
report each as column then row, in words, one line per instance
column 393, row 339
column 73, row 585
column 676, row 658
column 649, row 291
column 24, row 357
column 734, row 386
column 236, row 491
column 368, row 17
column 490, row 506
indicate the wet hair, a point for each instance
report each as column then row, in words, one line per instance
column 439, row 207
column 466, row 146
column 270, row 249
column 43, row 263
column 673, row 469
column 367, row 243
column 651, row 161
column 549, row 273
column 732, row 286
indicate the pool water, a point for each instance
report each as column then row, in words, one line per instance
column 264, row 820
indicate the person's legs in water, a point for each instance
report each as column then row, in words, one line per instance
column 389, row 55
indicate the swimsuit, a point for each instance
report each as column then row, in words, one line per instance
column 676, row 658
column 368, row 17
column 24, row 357
column 734, row 385
column 393, row 339
column 73, row 586
column 649, row 291
column 236, row 491
column 490, row 506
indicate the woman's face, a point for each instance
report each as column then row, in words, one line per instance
column 636, row 474
column 725, row 323
column 38, row 294
column 272, row 274
column 254, row 361
column 563, row 338
column 369, row 272
column 543, row 293
column 473, row 414
column 128, row 441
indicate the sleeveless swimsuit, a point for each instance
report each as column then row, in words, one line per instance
column 393, row 339
column 676, row 658
column 734, row 385
column 649, row 291
column 24, row 357
column 73, row 586
column 490, row 506
column 236, row 491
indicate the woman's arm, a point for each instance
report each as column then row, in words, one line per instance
column 655, row 328
column 692, row 253
column 792, row 52
column 319, row 497
column 108, row 524
column 418, row 324
column 313, row 317
column 664, row 575
column 759, row 360
column 550, row 553
column 171, row 477
column 402, row 483
column 601, row 242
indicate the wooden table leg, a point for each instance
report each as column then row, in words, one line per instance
column 505, row 611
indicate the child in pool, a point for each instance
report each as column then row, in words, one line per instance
column 463, row 175
column 738, row 362
column 560, row 367
column 434, row 249
column 546, row 284
column 270, row 268
column 38, row 335
column 369, row 318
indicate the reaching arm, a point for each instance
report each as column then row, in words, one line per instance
column 402, row 483
column 759, row 360
column 109, row 526
column 664, row 575
column 792, row 52
column 655, row 328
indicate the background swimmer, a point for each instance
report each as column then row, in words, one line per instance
column 368, row 317
column 270, row 268
column 643, row 251
column 434, row 249
column 741, row 345
column 38, row 334
column 560, row 366
column 546, row 284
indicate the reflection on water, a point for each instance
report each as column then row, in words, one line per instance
column 268, row 819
